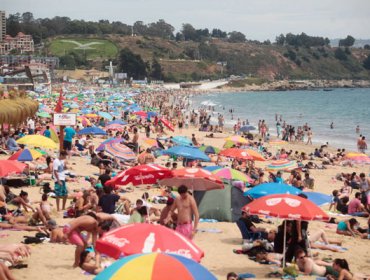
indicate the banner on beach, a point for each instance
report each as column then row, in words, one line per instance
column 65, row 119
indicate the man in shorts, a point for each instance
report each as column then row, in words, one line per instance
column 69, row 133
column 60, row 188
column 186, row 208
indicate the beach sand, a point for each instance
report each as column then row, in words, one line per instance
column 54, row 261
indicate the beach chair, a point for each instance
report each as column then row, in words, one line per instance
column 246, row 234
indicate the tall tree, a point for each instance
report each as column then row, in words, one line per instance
column 347, row 42
column 132, row 64
column 236, row 37
column 156, row 71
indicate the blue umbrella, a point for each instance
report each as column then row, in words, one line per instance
column 247, row 128
column 92, row 130
column 182, row 141
column 101, row 147
column 187, row 152
column 318, row 198
column 105, row 115
column 271, row 188
column 117, row 122
column 212, row 168
column 151, row 114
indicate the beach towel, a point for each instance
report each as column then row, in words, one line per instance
column 332, row 246
column 208, row 221
column 247, row 275
column 211, row 230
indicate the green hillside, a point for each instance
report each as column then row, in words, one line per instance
column 192, row 61
column 90, row 48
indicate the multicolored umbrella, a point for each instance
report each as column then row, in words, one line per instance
column 25, row 155
column 232, row 174
column 197, row 179
column 155, row 266
column 141, row 174
column 282, row 164
column 10, row 166
column 38, row 141
column 271, row 188
column 286, row 206
column 101, row 147
column 120, row 151
column 115, row 127
column 357, row 158
column 147, row 238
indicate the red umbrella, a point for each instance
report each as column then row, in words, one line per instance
column 197, row 179
column 140, row 174
column 141, row 114
column 10, row 166
column 167, row 124
column 236, row 153
column 146, row 238
column 286, row 206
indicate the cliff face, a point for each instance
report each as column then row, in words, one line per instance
column 188, row 60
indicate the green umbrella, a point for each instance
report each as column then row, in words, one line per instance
column 43, row 115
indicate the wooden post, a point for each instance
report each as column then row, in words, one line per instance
column 61, row 137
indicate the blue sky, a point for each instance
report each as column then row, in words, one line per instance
column 258, row 19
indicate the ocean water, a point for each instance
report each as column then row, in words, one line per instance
column 346, row 108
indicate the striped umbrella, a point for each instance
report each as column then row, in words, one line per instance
column 155, row 266
column 26, row 155
column 232, row 174
column 283, row 164
column 120, row 151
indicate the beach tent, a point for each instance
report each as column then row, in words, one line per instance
column 222, row 205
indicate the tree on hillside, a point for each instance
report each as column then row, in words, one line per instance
column 217, row 33
column 161, row 29
column 340, row 54
column 13, row 25
column 132, row 64
column 189, row 32
column 156, row 72
column 366, row 63
column 236, row 37
column 347, row 42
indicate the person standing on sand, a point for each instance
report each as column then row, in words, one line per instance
column 362, row 145
column 309, row 136
column 60, row 188
column 186, row 208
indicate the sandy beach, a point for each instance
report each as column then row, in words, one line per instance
column 54, row 261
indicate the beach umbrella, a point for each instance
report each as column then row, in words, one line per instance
column 101, row 147
column 237, row 139
column 53, row 133
column 209, row 149
column 152, row 142
column 319, row 198
column 25, row 155
column 152, row 114
column 167, row 124
column 197, row 179
column 155, row 266
column 42, row 152
column 187, row 152
column 232, row 174
column 212, row 167
column 271, row 188
column 38, row 141
column 105, row 115
column 282, row 164
column 141, row 174
column 255, row 154
column 116, row 127
column 117, row 122
column 357, row 158
column 92, row 130
column 181, row 140
column 286, row 206
column 84, row 120
column 247, row 128
column 120, row 151
column 141, row 114
column 236, row 153
column 10, row 166
column 147, row 238
column 91, row 116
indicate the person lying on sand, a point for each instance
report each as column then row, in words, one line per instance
column 321, row 236
column 90, row 262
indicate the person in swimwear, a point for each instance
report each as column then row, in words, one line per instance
column 88, row 223
column 186, row 209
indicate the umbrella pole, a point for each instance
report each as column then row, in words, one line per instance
column 284, row 244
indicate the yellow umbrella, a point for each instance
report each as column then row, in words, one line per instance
column 237, row 139
column 38, row 141
column 35, row 154
column 91, row 116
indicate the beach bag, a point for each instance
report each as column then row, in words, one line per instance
column 32, row 240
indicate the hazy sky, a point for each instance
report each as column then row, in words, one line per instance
column 258, row 19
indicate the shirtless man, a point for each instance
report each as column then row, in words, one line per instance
column 186, row 208
column 72, row 232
